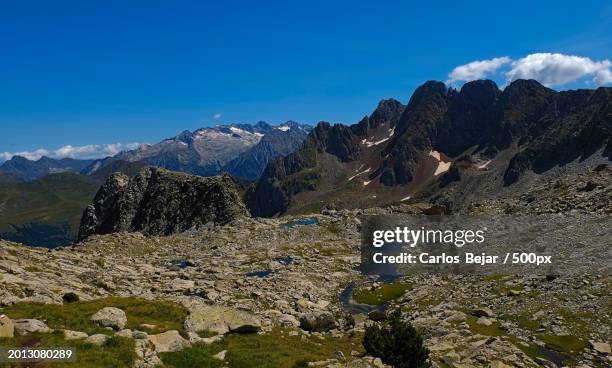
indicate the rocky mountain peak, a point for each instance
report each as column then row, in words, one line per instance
column 158, row 201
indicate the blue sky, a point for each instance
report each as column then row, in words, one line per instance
column 91, row 72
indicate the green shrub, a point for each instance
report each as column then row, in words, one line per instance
column 396, row 343
column 70, row 298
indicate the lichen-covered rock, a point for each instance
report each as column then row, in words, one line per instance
column 168, row 341
column 161, row 202
column 25, row 326
column 221, row 320
column 97, row 339
column 110, row 317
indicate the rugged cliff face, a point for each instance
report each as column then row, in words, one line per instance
column 301, row 171
column 442, row 135
column 160, row 202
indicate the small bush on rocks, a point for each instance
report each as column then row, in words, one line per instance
column 70, row 298
column 396, row 343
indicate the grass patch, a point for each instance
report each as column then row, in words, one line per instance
column 272, row 350
column 165, row 315
column 117, row 352
column 333, row 228
column 33, row 269
column 564, row 343
column 382, row 295
column 492, row 330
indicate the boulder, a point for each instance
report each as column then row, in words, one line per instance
column 484, row 321
column 168, row 341
column 97, row 339
column 221, row 320
column 110, row 317
column 74, row 335
column 25, row 326
column 601, row 347
column 483, row 312
column 127, row 333
column 7, row 327
column 317, row 322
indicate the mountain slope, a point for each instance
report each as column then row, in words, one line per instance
column 47, row 211
column 478, row 140
column 278, row 142
column 208, row 151
column 22, row 169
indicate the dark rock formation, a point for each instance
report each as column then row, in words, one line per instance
column 160, row 202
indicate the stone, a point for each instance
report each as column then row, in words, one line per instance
column 7, row 327
column 127, row 333
column 483, row 312
column 317, row 322
column 498, row 364
column 378, row 363
column 220, row 355
column 25, row 326
column 145, row 351
column 97, row 339
column 74, row 335
column 139, row 334
column 484, row 321
column 601, row 347
column 168, row 341
column 221, row 320
column 110, row 317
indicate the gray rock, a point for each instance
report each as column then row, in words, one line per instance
column 110, row 317
column 74, row 335
column 168, row 341
column 317, row 322
column 25, row 326
column 7, row 327
column 221, row 320
column 97, row 339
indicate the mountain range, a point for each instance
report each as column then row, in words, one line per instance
column 445, row 145
column 448, row 147
column 41, row 202
column 242, row 150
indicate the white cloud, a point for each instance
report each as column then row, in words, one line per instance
column 91, row 151
column 558, row 69
column 217, row 116
column 477, row 69
column 550, row 69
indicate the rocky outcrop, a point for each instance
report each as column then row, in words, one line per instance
column 157, row 201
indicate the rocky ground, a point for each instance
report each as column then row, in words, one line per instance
column 262, row 275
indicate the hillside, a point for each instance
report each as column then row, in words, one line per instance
column 45, row 212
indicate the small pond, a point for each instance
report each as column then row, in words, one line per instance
column 296, row 223
column 260, row 274
column 285, row 260
column 351, row 306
